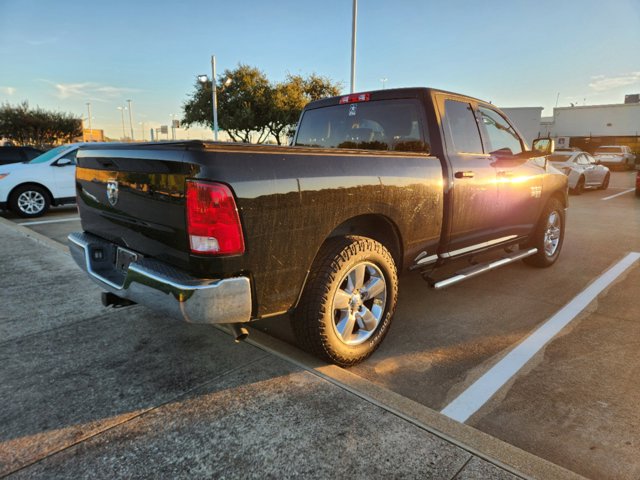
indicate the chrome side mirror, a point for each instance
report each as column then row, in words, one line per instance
column 544, row 146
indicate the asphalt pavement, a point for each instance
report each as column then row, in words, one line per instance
column 89, row 392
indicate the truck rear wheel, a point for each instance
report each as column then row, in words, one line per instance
column 348, row 302
column 548, row 235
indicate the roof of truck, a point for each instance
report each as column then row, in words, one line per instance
column 387, row 94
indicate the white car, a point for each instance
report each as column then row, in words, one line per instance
column 29, row 189
column 582, row 169
column 619, row 156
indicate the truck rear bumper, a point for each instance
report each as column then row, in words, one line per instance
column 160, row 286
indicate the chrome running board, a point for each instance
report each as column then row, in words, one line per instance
column 478, row 269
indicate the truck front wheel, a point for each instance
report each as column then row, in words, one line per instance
column 548, row 235
column 348, row 302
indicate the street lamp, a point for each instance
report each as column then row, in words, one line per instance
column 383, row 80
column 214, row 93
column 90, row 128
column 354, row 21
column 130, row 119
column 173, row 125
column 122, row 109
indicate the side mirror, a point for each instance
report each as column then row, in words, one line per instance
column 544, row 146
column 64, row 162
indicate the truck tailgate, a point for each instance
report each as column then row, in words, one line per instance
column 135, row 198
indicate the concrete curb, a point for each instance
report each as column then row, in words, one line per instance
column 480, row 444
column 488, row 448
column 38, row 237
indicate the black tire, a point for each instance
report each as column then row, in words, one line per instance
column 579, row 187
column 543, row 234
column 29, row 201
column 605, row 182
column 317, row 319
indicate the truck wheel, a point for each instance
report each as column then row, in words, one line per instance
column 548, row 235
column 29, row 201
column 348, row 302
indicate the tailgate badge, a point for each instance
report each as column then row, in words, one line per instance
column 112, row 192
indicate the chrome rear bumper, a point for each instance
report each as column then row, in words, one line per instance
column 160, row 286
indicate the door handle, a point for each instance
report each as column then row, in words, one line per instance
column 464, row 174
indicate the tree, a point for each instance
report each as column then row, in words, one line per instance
column 249, row 106
column 289, row 98
column 242, row 104
column 42, row 128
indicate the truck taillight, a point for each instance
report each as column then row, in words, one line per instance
column 355, row 98
column 213, row 224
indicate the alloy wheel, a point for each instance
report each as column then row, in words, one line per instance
column 552, row 234
column 359, row 303
column 31, row 202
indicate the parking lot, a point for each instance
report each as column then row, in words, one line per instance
column 572, row 403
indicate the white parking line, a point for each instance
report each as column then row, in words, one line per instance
column 475, row 396
column 618, row 194
column 57, row 220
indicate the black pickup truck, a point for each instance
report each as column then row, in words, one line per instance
column 374, row 184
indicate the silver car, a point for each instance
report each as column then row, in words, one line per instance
column 582, row 169
column 618, row 156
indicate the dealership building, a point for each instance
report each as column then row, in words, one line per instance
column 586, row 127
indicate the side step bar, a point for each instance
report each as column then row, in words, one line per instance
column 478, row 269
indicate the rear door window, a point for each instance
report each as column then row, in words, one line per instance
column 462, row 127
column 395, row 125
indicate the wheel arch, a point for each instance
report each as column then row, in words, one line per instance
column 36, row 184
column 560, row 196
column 375, row 226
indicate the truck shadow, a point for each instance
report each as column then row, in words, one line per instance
column 64, row 385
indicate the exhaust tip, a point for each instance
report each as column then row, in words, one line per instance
column 239, row 333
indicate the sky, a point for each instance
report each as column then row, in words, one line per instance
column 61, row 54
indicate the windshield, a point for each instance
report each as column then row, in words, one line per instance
column 381, row 125
column 609, row 150
column 46, row 156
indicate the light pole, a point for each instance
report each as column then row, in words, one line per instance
column 90, row 128
column 124, row 135
column 353, row 45
column 383, row 80
column 203, row 79
column 130, row 119
column 173, row 125
column 214, row 94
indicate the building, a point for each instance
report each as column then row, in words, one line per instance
column 93, row 135
column 526, row 120
column 586, row 127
